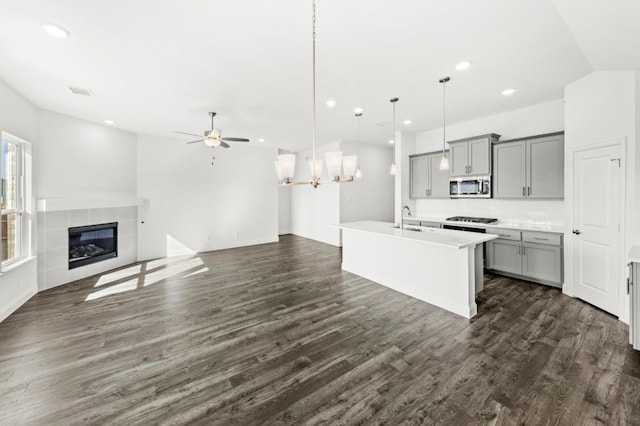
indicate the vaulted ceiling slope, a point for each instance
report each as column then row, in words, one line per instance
column 159, row 66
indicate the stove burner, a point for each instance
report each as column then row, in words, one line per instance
column 472, row 219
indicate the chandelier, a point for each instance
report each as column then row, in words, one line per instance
column 285, row 166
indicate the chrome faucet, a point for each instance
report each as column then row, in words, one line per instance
column 402, row 215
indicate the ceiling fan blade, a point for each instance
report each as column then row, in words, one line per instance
column 224, row 145
column 235, row 139
column 199, row 140
column 190, row 134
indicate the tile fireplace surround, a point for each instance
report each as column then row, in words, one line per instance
column 53, row 248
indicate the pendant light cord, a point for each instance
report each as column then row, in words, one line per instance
column 313, row 50
column 444, row 82
column 444, row 115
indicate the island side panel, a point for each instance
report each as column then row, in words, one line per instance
column 442, row 276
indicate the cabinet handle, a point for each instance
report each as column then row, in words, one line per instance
column 630, row 279
column 528, row 191
column 540, row 239
column 524, row 251
column 519, row 250
column 524, row 189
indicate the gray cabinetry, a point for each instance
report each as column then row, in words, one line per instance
column 504, row 256
column 419, row 172
column 542, row 262
column 426, row 178
column 534, row 256
column 471, row 156
column 545, row 167
column 529, row 168
column 633, row 283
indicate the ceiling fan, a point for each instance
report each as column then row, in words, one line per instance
column 213, row 137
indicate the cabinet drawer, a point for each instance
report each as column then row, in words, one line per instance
column 542, row 238
column 505, row 234
column 430, row 224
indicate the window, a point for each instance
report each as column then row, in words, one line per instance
column 11, row 199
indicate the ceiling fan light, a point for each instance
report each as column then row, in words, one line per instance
column 287, row 164
column 278, row 171
column 334, row 162
column 349, row 164
column 315, row 166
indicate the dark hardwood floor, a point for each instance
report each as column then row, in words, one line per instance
column 278, row 334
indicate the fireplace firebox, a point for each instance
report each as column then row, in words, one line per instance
column 93, row 243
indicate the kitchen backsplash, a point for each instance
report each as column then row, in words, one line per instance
column 545, row 211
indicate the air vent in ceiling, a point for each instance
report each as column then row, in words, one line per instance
column 80, row 91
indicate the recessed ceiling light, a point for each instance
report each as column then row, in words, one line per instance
column 358, row 110
column 80, row 91
column 109, row 122
column 391, row 141
column 461, row 66
column 55, row 30
column 508, row 92
column 331, row 103
column 261, row 140
column 407, row 122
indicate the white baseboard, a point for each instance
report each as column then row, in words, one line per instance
column 16, row 303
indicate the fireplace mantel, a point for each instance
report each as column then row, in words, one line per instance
column 60, row 204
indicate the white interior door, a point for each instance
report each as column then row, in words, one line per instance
column 596, row 226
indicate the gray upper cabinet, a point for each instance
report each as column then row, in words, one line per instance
column 509, row 174
column 419, row 171
column 426, row 178
column 529, row 168
column 439, row 179
column 471, row 156
column 545, row 167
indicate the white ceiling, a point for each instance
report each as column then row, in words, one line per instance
column 160, row 66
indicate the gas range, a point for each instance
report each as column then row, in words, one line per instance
column 469, row 219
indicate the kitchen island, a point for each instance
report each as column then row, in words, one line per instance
column 439, row 266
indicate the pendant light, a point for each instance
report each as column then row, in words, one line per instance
column 394, row 168
column 335, row 161
column 444, row 161
column 358, row 115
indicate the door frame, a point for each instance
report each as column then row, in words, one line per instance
column 571, row 258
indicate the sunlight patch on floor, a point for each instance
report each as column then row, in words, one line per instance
column 165, row 273
column 118, row 288
column 118, row 275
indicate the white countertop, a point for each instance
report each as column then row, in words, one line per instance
column 634, row 254
column 523, row 226
column 441, row 237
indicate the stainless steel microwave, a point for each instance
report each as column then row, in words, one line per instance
column 476, row 187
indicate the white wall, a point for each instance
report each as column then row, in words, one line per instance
column 194, row 206
column 18, row 117
column 313, row 210
column 80, row 159
column 371, row 197
column 602, row 106
column 538, row 119
column 284, row 210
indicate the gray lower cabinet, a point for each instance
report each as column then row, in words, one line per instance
column 426, row 178
column 633, row 289
column 529, row 168
column 534, row 256
column 504, row 256
column 542, row 262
